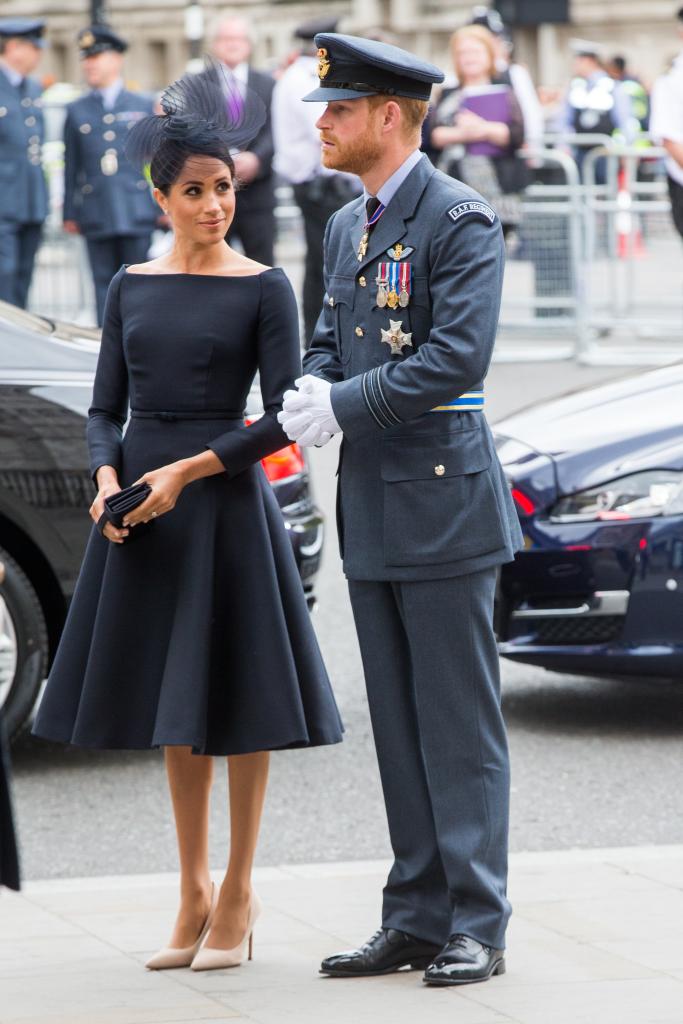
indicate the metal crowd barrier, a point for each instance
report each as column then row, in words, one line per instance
column 597, row 271
column 61, row 288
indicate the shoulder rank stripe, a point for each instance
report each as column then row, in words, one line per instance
column 472, row 400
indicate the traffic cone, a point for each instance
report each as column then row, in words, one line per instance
column 629, row 235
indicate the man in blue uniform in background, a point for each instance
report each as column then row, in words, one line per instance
column 105, row 198
column 23, row 189
column 397, row 362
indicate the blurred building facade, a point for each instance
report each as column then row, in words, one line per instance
column 642, row 30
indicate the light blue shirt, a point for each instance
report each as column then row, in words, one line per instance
column 14, row 77
column 110, row 94
column 391, row 186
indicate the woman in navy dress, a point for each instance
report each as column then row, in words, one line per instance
column 193, row 634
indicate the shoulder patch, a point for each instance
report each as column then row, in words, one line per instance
column 472, row 207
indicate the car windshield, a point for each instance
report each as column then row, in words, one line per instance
column 20, row 318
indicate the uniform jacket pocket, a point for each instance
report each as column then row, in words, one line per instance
column 439, row 501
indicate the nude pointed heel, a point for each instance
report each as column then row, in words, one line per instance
column 216, row 959
column 170, row 957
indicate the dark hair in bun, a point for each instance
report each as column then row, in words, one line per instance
column 171, row 157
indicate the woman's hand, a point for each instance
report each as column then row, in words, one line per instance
column 472, row 127
column 108, row 485
column 166, row 483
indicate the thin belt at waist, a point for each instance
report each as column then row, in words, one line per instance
column 171, row 415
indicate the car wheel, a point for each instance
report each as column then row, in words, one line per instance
column 23, row 645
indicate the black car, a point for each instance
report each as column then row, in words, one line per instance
column 597, row 477
column 46, row 377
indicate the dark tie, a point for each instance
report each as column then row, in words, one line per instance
column 371, row 206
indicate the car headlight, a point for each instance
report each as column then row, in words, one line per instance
column 657, row 492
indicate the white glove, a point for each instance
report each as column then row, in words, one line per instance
column 299, row 427
column 313, row 397
column 307, row 415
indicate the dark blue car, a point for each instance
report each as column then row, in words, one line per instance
column 597, row 478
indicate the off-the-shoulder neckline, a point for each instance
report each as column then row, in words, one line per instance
column 223, row 277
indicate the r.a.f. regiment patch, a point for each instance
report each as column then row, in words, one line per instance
column 472, row 207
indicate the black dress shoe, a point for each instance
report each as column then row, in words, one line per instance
column 388, row 950
column 464, row 960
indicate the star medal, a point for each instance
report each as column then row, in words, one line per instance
column 370, row 223
column 405, row 275
column 381, row 282
column 396, row 337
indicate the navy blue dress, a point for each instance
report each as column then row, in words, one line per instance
column 196, row 632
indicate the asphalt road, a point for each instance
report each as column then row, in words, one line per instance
column 594, row 763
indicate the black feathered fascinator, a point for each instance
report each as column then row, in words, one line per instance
column 203, row 114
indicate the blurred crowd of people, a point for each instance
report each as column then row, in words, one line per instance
column 487, row 127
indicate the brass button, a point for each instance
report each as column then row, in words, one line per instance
column 361, row 281
column 3, row 111
column 331, row 300
column 108, row 118
column 85, row 128
column 360, row 332
column 439, row 470
column 29, row 121
column 109, row 136
column 27, row 101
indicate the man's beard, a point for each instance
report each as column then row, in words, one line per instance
column 356, row 157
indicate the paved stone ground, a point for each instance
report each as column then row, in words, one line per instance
column 595, row 939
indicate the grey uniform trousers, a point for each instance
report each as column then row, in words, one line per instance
column 431, row 668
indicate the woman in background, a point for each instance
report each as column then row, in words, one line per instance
column 478, row 128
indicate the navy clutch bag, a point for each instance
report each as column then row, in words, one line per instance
column 116, row 506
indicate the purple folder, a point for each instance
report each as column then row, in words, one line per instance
column 493, row 104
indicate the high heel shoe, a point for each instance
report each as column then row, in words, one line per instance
column 170, row 956
column 208, row 959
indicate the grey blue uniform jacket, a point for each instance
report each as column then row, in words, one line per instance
column 105, row 204
column 421, row 493
column 23, row 189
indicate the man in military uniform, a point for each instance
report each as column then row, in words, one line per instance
column 105, row 198
column 397, row 363
column 23, row 189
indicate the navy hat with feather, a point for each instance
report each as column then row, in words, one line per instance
column 202, row 115
column 350, row 67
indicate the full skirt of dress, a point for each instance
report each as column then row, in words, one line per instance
column 195, row 632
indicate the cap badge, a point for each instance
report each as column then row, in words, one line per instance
column 87, row 40
column 323, row 63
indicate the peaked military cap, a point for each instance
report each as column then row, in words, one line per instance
column 30, row 29
column 350, row 67
column 98, row 38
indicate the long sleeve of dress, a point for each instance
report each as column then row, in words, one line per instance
column 279, row 364
column 109, row 409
